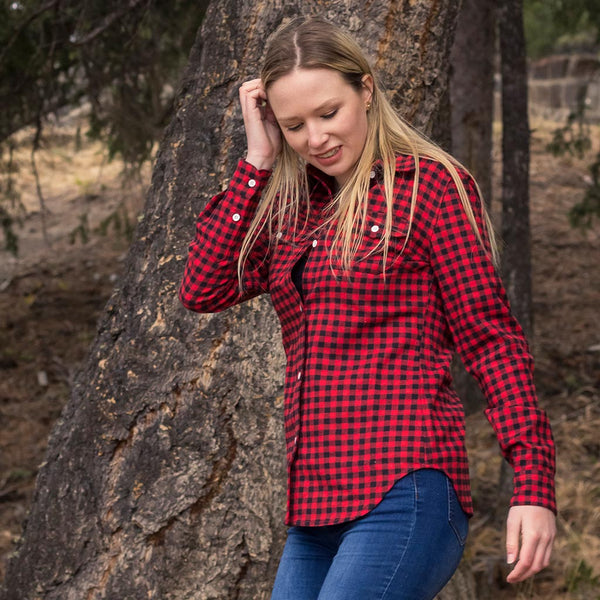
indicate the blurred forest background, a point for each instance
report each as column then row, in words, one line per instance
column 86, row 90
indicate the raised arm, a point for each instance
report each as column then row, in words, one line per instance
column 210, row 282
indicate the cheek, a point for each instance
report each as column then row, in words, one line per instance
column 360, row 130
column 294, row 142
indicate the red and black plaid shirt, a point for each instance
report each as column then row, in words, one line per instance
column 368, row 393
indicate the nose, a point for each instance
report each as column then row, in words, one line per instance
column 317, row 136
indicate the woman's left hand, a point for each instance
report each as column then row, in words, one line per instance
column 530, row 532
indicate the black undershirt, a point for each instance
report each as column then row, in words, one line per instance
column 298, row 272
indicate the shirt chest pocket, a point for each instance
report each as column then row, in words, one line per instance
column 370, row 254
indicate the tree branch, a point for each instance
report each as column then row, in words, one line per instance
column 32, row 17
column 107, row 22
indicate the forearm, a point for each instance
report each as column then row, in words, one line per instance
column 210, row 282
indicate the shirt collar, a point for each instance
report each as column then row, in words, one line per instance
column 404, row 162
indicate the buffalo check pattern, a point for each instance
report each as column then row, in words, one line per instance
column 368, row 391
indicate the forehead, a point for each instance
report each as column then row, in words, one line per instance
column 304, row 91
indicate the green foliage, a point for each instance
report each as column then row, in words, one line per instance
column 581, row 578
column 560, row 25
column 123, row 58
column 12, row 206
column 19, row 474
column 585, row 212
column 119, row 220
column 132, row 72
column 575, row 138
column 7, row 223
column 82, row 231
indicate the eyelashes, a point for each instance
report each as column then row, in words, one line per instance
column 328, row 115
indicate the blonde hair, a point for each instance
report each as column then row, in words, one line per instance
column 313, row 43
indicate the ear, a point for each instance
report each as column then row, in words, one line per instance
column 367, row 83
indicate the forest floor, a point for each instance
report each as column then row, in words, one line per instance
column 52, row 295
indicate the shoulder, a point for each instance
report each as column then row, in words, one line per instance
column 440, row 180
column 430, row 169
column 435, row 169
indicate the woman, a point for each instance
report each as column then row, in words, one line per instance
column 379, row 258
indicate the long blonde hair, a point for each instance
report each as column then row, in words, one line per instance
column 313, row 43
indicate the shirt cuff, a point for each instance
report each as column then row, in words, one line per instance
column 534, row 488
column 233, row 209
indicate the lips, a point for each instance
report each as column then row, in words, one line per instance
column 329, row 153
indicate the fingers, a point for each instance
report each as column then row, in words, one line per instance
column 530, row 532
column 252, row 94
column 513, row 536
column 262, row 132
column 253, row 99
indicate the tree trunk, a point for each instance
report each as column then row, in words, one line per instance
column 516, row 256
column 472, row 101
column 472, row 90
column 164, row 477
column 516, row 235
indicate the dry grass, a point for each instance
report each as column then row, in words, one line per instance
column 77, row 182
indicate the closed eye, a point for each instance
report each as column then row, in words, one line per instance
column 328, row 115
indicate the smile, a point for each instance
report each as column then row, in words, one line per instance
column 330, row 153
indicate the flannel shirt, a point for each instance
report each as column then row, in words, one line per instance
column 368, row 391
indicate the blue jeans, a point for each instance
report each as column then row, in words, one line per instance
column 406, row 548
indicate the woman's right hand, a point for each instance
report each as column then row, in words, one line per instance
column 262, row 131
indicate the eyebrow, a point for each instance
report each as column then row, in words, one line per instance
column 317, row 109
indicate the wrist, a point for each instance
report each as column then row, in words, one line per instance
column 260, row 163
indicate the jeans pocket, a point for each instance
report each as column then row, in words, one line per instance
column 457, row 518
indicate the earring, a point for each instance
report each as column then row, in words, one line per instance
column 368, row 106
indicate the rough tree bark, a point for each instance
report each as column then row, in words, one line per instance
column 472, row 101
column 516, row 232
column 516, row 255
column 164, row 477
column 472, row 89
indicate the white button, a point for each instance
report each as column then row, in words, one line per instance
column 295, row 440
column 251, row 182
column 375, row 228
column 314, row 243
column 300, row 307
column 279, row 235
column 236, row 217
column 372, row 174
column 299, row 375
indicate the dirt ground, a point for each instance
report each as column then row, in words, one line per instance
column 53, row 294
